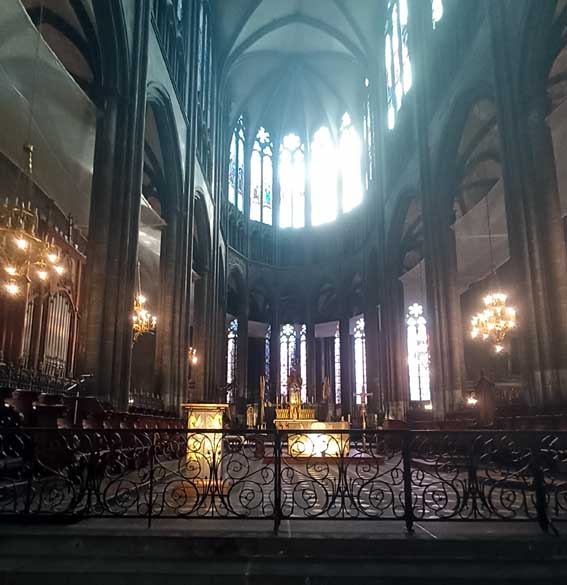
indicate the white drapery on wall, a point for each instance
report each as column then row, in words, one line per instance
column 64, row 122
column 473, row 241
column 558, row 124
column 413, row 282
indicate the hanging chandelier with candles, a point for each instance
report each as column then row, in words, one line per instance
column 142, row 320
column 497, row 319
column 495, row 322
column 25, row 256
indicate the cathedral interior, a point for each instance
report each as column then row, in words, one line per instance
column 352, row 212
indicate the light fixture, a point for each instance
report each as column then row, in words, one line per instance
column 142, row 320
column 495, row 322
column 21, row 243
column 12, row 288
column 472, row 401
column 497, row 319
column 23, row 253
column 193, row 359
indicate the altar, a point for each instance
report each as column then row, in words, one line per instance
column 319, row 441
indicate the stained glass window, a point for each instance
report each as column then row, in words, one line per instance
column 261, row 178
column 418, row 354
column 359, row 360
column 398, row 64
column 232, row 350
column 240, row 190
column 288, row 340
column 267, row 342
column 232, row 171
column 303, row 362
column 292, row 182
column 436, row 11
column 200, row 50
column 323, row 177
column 367, row 124
column 236, row 166
column 337, row 366
column 350, row 163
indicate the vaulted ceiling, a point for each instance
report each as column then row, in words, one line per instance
column 296, row 64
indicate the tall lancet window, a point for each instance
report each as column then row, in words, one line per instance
column 398, row 64
column 436, row 11
column 261, row 178
column 292, row 182
column 232, row 171
column 240, row 189
column 350, row 162
column 323, row 178
column 288, row 342
column 231, row 351
column 359, row 360
column 369, row 143
column 337, row 366
column 267, row 353
column 236, row 166
column 418, row 354
column 303, row 362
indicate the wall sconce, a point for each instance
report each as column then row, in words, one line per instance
column 192, row 355
column 472, row 400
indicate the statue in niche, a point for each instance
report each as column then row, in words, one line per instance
column 326, row 390
column 325, row 407
column 294, row 383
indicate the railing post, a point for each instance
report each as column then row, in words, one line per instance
column 277, row 481
column 151, row 493
column 29, row 473
column 539, row 488
column 408, row 500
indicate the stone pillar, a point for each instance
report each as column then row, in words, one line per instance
column 372, row 356
column 242, row 354
column 394, row 324
column 535, row 234
column 275, row 352
column 346, row 368
column 105, row 345
column 311, row 373
column 445, row 333
column 167, row 344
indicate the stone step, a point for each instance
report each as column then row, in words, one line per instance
column 83, row 555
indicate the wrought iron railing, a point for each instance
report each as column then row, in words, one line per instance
column 410, row 476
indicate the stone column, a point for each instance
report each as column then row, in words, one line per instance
column 242, row 354
column 372, row 356
column 106, row 328
column 346, row 368
column 311, row 373
column 275, row 351
column 443, row 302
column 394, row 324
column 166, row 342
column 537, row 248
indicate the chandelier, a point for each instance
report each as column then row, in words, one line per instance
column 24, row 256
column 497, row 319
column 142, row 320
column 495, row 322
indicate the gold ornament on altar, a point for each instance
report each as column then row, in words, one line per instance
column 24, row 256
column 495, row 322
column 142, row 320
